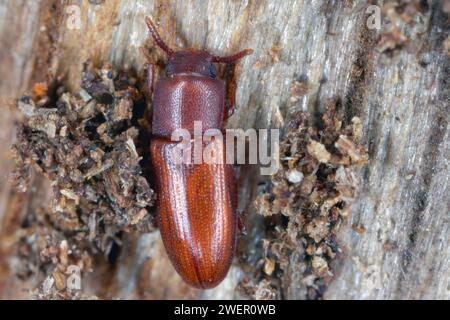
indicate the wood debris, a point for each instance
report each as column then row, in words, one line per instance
column 87, row 146
column 403, row 26
column 324, row 156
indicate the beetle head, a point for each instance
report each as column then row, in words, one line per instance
column 191, row 61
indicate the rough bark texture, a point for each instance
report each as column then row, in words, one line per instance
column 395, row 79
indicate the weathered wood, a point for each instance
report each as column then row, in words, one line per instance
column 401, row 98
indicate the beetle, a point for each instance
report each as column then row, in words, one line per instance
column 196, row 203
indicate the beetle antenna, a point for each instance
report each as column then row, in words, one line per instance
column 157, row 37
column 232, row 58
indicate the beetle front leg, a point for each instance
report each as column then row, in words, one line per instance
column 150, row 77
column 150, row 66
column 231, row 81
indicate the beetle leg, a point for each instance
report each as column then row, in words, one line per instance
column 230, row 109
column 240, row 224
column 150, row 66
column 150, row 77
column 230, row 105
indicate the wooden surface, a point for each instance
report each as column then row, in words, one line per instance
column 402, row 98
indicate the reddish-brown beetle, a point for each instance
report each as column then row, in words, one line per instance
column 196, row 204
